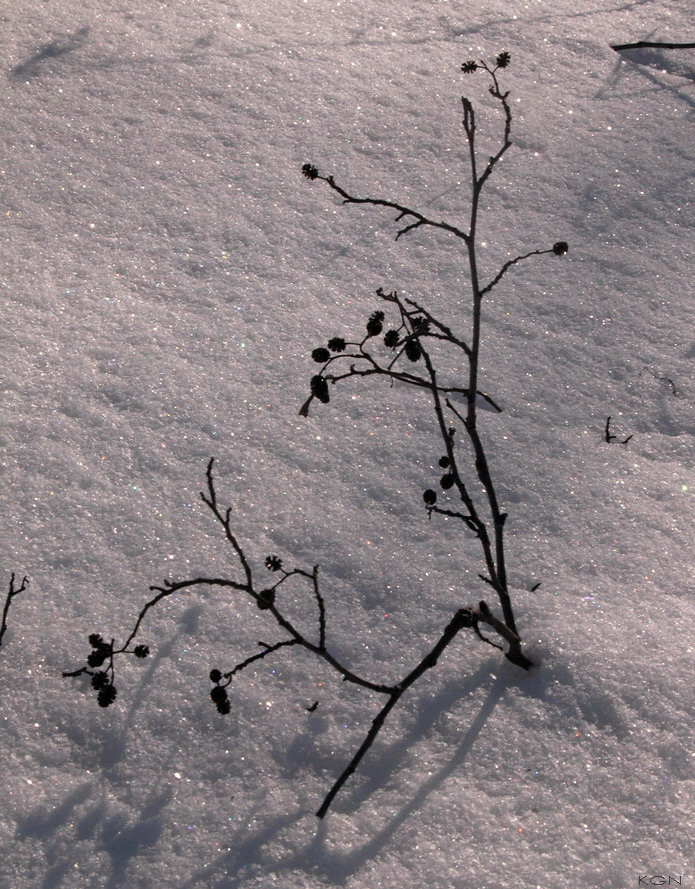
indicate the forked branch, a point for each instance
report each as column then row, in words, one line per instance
column 101, row 666
column 13, row 591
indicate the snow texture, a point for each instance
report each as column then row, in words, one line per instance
column 166, row 272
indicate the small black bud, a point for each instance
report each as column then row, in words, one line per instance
column 444, row 462
column 141, row 651
column 224, row 707
column 320, row 355
column 337, row 344
column 265, row 599
column 391, row 339
column 469, row 67
column 319, row 388
column 310, row 171
column 96, row 640
column 215, row 675
column 273, row 563
column 413, row 350
column 503, row 59
column 483, row 609
column 560, row 248
column 447, row 480
column 429, row 496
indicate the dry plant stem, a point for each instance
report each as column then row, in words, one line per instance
column 469, row 617
column 11, row 593
column 491, row 536
column 648, row 44
column 480, row 512
column 461, row 619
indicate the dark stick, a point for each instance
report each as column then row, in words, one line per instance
column 462, row 618
column 648, row 44
column 11, row 593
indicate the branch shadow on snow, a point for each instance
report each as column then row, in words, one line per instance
column 121, row 836
column 248, row 852
column 661, row 69
column 35, row 63
column 567, row 696
column 115, row 745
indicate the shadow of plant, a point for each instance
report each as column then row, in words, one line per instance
column 34, row 64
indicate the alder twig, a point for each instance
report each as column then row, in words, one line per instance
column 419, row 337
column 419, row 330
column 648, row 44
column 11, row 593
column 101, row 662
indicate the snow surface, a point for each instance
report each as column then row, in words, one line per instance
column 166, row 272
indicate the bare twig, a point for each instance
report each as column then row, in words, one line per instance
column 11, row 593
column 648, row 44
column 417, row 336
column 420, row 219
column 105, row 653
column 418, row 324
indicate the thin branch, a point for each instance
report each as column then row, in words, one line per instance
column 461, row 619
column 268, row 649
column 468, row 520
column 420, row 219
column 322, row 607
column 445, row 330
column 11, row 593
column 508, row 265
column 648, row 44
column 211, row 501
column 170, row 588
column 507, row 143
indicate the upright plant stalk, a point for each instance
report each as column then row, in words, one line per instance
column 12, row 591
column 417, row 324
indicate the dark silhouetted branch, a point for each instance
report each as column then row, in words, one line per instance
column 648, row 44
column 11, row 593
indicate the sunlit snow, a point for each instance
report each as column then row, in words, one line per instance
column 166, row 273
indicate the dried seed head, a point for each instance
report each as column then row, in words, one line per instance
column 320, row 355
column 265, row 599
column 273, row 563
column 375, row 325
column 218, row 694
column 319, row 389
column 106, row 696
column 310, row 171
column 413, row 350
